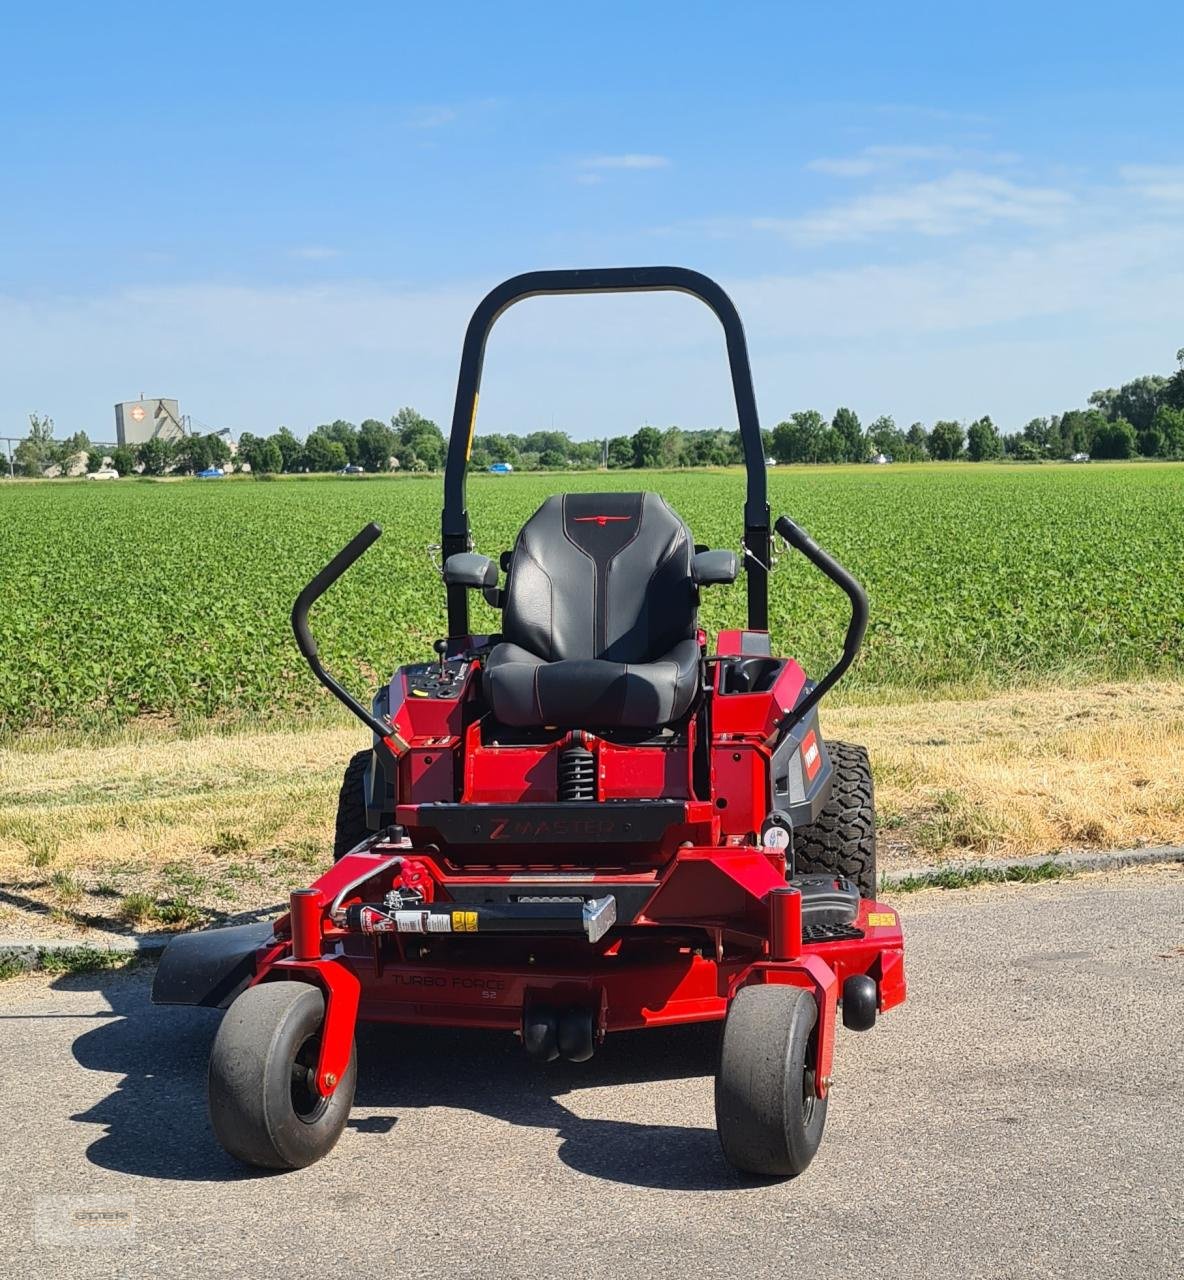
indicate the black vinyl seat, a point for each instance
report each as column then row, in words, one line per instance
column 599, row 627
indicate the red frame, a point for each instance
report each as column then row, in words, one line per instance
column 716, row 913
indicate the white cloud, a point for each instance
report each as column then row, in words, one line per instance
column 630, row 160
column 958, row 202
column 314, row 253
column 1005, row 330
column 1163, row 183
column 880, row 159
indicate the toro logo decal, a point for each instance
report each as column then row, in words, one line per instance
column 554, row 829
column 811, row 756
column 600, row 520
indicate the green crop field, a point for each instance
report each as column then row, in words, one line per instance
column 172, row 598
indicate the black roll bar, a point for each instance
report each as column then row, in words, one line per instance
column 797, row 537
column 454, row 525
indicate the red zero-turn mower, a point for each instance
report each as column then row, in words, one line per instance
column 588, row 823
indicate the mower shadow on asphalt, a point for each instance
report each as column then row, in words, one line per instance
column 155, row 1122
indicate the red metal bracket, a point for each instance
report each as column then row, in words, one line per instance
column 811, row 973
column 342, row 991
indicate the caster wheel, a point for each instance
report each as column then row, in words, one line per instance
column 860, row 1000
column 540, row 1033
column 577, row 1038
column 264, row 1104
column 767, row 1114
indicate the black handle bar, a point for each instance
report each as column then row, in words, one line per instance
column 797, row 537
column 353, row 550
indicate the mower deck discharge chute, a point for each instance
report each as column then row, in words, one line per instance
column 587, row 823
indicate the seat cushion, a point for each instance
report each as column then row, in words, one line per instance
column 590, row 693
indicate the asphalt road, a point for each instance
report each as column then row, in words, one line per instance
column 1022, row 1115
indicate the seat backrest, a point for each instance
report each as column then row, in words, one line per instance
column 601, row 575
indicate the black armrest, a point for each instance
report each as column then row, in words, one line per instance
column 468, row 569
column 711, row 567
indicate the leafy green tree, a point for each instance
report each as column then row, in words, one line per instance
column 1136, row 401
column 708, row 449
column 262, row 456
column 541, row 442
column 1114, row 440
column 250, row 446
column 123, row 459
column 1078, row 427
column 35, row 451
column 70, row 453
column 847, row 424
column 1151, row 442
column 1169, row 423
column 323, row 454
column 1173, row 393
column 647, row 447
column 500, row 449
column 982, row 440
column 833, row 446
column 192, row 454
column 95, row 457
column 271, row 460
column 918, row 437
column 377, row 444
column 674, row 445
column 883, row 436
column 155, row 456
column 799, row 439
column 620, row 452
column 421, row 442
column 945, row 440
column 291, row 450
column 344, row 433
column 587, row 453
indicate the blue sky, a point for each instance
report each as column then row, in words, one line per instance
column 284, row 213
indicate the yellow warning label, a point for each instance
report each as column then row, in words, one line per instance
column 472, row 428
column 875, row 918
column 464, row 922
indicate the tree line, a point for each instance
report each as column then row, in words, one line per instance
column 1142, row 418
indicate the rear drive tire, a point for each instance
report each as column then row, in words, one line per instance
column 264, row 1105
column 843, row 839
column 352, row 828
column 768, row 1117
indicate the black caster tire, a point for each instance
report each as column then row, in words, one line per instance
column 577, row 1035
column 264, row 1105
column 843, row 840
column 768, row 1116
column 540, row 1033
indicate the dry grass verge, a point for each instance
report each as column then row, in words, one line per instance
column 160, row 831
column 1025, row 773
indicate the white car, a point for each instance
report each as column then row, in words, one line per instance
column 104, row 473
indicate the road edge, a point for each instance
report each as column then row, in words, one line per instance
column 62, row 955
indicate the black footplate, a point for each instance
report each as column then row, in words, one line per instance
column 830, row 932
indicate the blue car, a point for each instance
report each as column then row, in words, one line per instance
column 211, row 473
